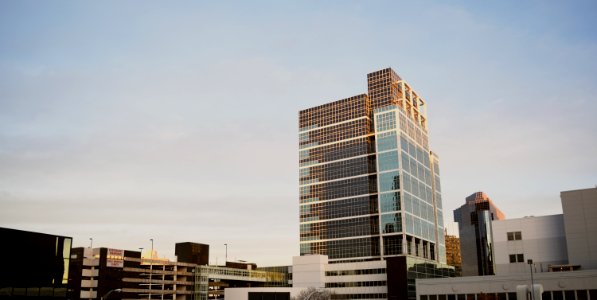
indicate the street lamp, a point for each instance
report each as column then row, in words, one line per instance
column 150, row 268
column 91, row 242
column 110, row 292
column 530, row 262
column 226, row 257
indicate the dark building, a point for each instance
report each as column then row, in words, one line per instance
column 194, row 253
column 403, row 271
column 34, row 265
column 476, row 234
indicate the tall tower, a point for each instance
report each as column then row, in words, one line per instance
column 369, row 184
column 476, row 234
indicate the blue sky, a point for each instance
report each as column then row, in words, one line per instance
column 130, row 120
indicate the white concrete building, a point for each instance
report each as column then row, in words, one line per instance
column 580, row 221
column 357, row 280
column 345, row 280
column 576, row 285
column 541, row 239
column 554, row 243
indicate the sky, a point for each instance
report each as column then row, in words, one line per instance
column 125, row 121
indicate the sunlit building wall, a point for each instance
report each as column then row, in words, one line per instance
column 580, row 222
column 370, row 190
column 541, row 239
column 369, row 184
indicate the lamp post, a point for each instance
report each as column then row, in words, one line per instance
column 226, row 257
column 91, row 257
column 530, row 262
column 110, row 292
column 150, row 268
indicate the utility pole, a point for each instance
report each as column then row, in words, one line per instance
column 150, row 268
column 530, row 262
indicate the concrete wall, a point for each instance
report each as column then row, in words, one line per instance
column 243, row 293
column 309, row 271
column 580, row 222
column 551, row 281
column 543, row 241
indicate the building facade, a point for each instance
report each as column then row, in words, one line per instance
column 580, row 222
column 392, row 278
column 370, row 198
column 541, row 239
column 554, row 252
column 35, row 265
column 577, row 285
column 369, row 184
column 95, row 272
column 476, row 235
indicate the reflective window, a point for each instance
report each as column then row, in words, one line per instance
column 392, row 245
column 385, row 121
column 389, row 181
column 387, row 141
column 339, row 228
column 387, row 161
column 408, row 202
column 343, row 248
column 409, row 224
column 391, row 223
column 405, row 162
column 389, row 202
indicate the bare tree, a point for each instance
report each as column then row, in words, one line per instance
column 314, row 294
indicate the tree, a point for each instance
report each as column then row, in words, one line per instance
column 314, row 294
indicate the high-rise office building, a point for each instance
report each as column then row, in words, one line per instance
column 369, row 184
column 476, row 234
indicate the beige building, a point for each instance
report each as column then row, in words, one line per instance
column 580, row 223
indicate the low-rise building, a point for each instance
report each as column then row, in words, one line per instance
column 98, row 271
column 127, row 275
column 34, row 265
column 557, row 254
column 393, row 278
column 577, row 285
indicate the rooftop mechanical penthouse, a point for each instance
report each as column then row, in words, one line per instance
column 369, row 184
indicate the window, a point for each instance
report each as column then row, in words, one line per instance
column 514, row 236
column 516, row 258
